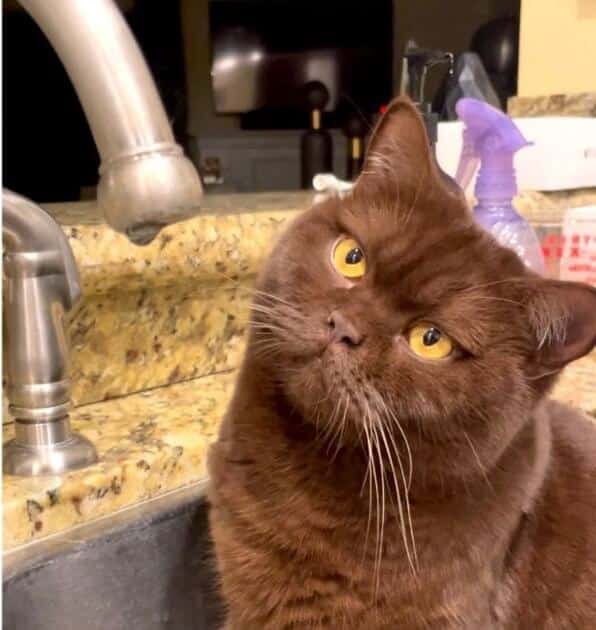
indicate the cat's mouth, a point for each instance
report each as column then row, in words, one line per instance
column 339, row 374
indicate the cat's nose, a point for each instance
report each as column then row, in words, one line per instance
column 343, row 330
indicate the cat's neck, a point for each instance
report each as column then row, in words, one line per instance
column 468, row 464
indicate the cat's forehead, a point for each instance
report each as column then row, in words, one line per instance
column 391, row 228
column 403, row 213
column 426, row 248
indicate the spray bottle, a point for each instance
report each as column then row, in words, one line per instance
column 491, row 140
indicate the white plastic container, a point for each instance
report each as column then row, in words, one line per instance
column 578, row 258
column 562, row 157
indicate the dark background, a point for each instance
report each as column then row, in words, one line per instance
column 48, row 150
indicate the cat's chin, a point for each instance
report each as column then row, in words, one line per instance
column 327, row 388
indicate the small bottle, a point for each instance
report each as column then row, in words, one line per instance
column 491, row 140
column 316, row 146
column 355, row 131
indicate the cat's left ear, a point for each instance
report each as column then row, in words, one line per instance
column 563, row 315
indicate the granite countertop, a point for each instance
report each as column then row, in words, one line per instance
column 148, row 443
column 583, row 104
column 230, row 237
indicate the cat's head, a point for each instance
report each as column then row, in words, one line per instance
column 391, row 305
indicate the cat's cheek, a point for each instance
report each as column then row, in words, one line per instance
column 340, row 282
column 401, row 347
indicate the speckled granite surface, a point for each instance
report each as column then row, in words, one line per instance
column 549, row 207
column 175, row 309
column 148, row 443
column 231, row 237
column 577, row 384
column 553, row 105
column 124, row 342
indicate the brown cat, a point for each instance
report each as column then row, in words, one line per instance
column 389, row 459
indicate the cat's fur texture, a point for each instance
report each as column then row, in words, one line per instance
column 355, row 485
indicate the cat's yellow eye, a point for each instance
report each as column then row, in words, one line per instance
column 429, row 342
column 348, row 258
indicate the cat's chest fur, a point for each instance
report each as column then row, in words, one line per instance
column 456, row 583
column 301, row 539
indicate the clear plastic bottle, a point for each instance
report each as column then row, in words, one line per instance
column 503, row 221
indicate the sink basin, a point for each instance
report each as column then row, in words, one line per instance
column 148, row 567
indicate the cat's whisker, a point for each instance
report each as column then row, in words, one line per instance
column 412, row 561
column 379, row 554
column 370, row 485
column 263, row 339
column 389, row 414
column 493, row 298
column 285, row 322
column 512, row 280
column 337, row 434
column 267, row 326
column 478, row 460
column 317, row 405
column 268, row 350
column 278, row 315
column 267, row 346
column 236, row 286
column 268, row 331
column 344, row 421
column 277, row 311
column 379, row 496
column 266, row 295
column 331, row 426
column 326, row 397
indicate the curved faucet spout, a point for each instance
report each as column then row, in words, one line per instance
column 146, row 181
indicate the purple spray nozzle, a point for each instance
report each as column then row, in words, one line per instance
column 491, row 139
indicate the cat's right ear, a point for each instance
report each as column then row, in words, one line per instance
column 563, row 315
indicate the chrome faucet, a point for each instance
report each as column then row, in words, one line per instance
column 146, row 182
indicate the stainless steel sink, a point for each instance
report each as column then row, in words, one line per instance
column 148, row 567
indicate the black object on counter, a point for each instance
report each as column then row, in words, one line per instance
column 355, row 130
column 469, row 79
column 316, row 147
column 416, row 64
column 497, row 44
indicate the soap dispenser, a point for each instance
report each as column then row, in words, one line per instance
column 415, row 66
column 490, row 140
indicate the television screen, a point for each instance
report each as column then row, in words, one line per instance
column 265, row 51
